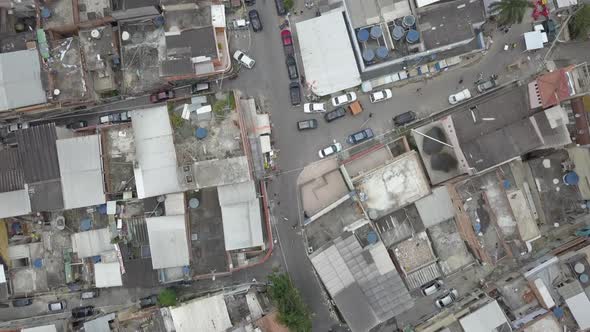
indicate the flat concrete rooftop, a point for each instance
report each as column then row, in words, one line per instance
column 321, row 185
column 393, row 185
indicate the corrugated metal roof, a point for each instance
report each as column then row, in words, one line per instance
column 579, row 305
column 156, row 171
column 20, row 80
column 240, row 210
column 81, row 171
column 11, row 172
column 168, row 241
column 484, row 319
column 14, row 203
column 92, row 243
column 205, row 314
column 38, row 153
column 100, row 324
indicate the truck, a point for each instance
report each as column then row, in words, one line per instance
column 287, row 42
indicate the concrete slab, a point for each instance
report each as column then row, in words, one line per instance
column 361, row 165
column 392, row 186
column 449, row 247
column 436, row 207
column 321, row 185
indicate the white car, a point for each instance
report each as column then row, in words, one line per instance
column 380, row 95
column 447, row 299
column 330, row 150
column 244, row 59
column 431, row 287
column 346, row 98
column 314, row 108
column 459, row 96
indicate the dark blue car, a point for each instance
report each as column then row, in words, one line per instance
column 360, row 136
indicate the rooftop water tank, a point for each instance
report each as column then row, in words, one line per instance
column 201, row 133
column 371, row 237
column 194, row 203
column 362, row 35
column 571, row 178
column 412, row 36
column 382, row 52
column 45, row 12
column 376, row 32
column 95, row 33
column 368, row 55
column 409, row 21
column 398, row 32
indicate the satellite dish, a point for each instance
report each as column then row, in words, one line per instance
column 125, row 35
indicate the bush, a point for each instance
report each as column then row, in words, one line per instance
column 176, row 120
column 167, row 297
column 292, row 311
column 288, row 4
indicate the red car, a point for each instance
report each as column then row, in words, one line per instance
column 287, row 41
column 161, row 96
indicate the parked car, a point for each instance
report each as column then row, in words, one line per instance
column 486, row 85
column 292, row 67
column 380, row 95
column 295, row 93
column 330, row 150
column 116, row 118
column 447, row 299
column 148, row 301
column 250, row 2
column 77, row 124
column 22, row 302
column 89, row 294
column 459, row 96
column 17, row 126
column 57, row 305
column 314, row 108
column 344, row 99
column 244, row 59
column 360, row 136
column 255, row 21
column 431, row 287
column 287, row 39
column 404, row 118
column 335, row 114
column 82, row 312
column 281, row 10
column 161, row 96
column 200, row 87
column 307, row 124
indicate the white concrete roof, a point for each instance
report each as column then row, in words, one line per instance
column 206, row 314
column 20, row 79
column 579, row 305
column 436, row 207
column 168, row 241
column 92, row 243
column 107, row 275
column 100, row 324
column 326, row 51
column 44, row 328
column 156, row 169
column 15, row 203
column 240, row 211
column 80, row 168
column 484, row 319
column 533, row 40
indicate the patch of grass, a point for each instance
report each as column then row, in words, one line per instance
column 167, row 297
column 175, row 120
column 292, row 310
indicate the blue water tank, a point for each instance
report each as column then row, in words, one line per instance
column 362, row 35
column 85, row 224
column 558, row 312
column 412, row 36
column 398, row 32
column 368, row 55
column 372, row 237
column 571, row 178
column 376, row 32
column 382, row 52
column 38, row 263
column 45, row 12
column 159, row 21
column 201, row 133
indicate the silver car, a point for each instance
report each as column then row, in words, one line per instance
column 447, row 299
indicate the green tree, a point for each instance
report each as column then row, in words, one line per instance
column 510, row 11
column 580, row 24
column 288, row 4
column 292, row 311
column 167, row 297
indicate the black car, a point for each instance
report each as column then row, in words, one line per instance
column 78, row 124
column 250, row 2
column 281, row 10
column 295, row 92
column 82, row 312
column 307, row 124
column 148, row 301
column 404, row 118
column 360, row 136
column 292, row 67
column 22, row 302
column 255, row 20
column 335, row 114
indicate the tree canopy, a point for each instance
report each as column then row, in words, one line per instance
column 292, row 310
column 580, row 25
column 167, row 297
column 510, row 11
